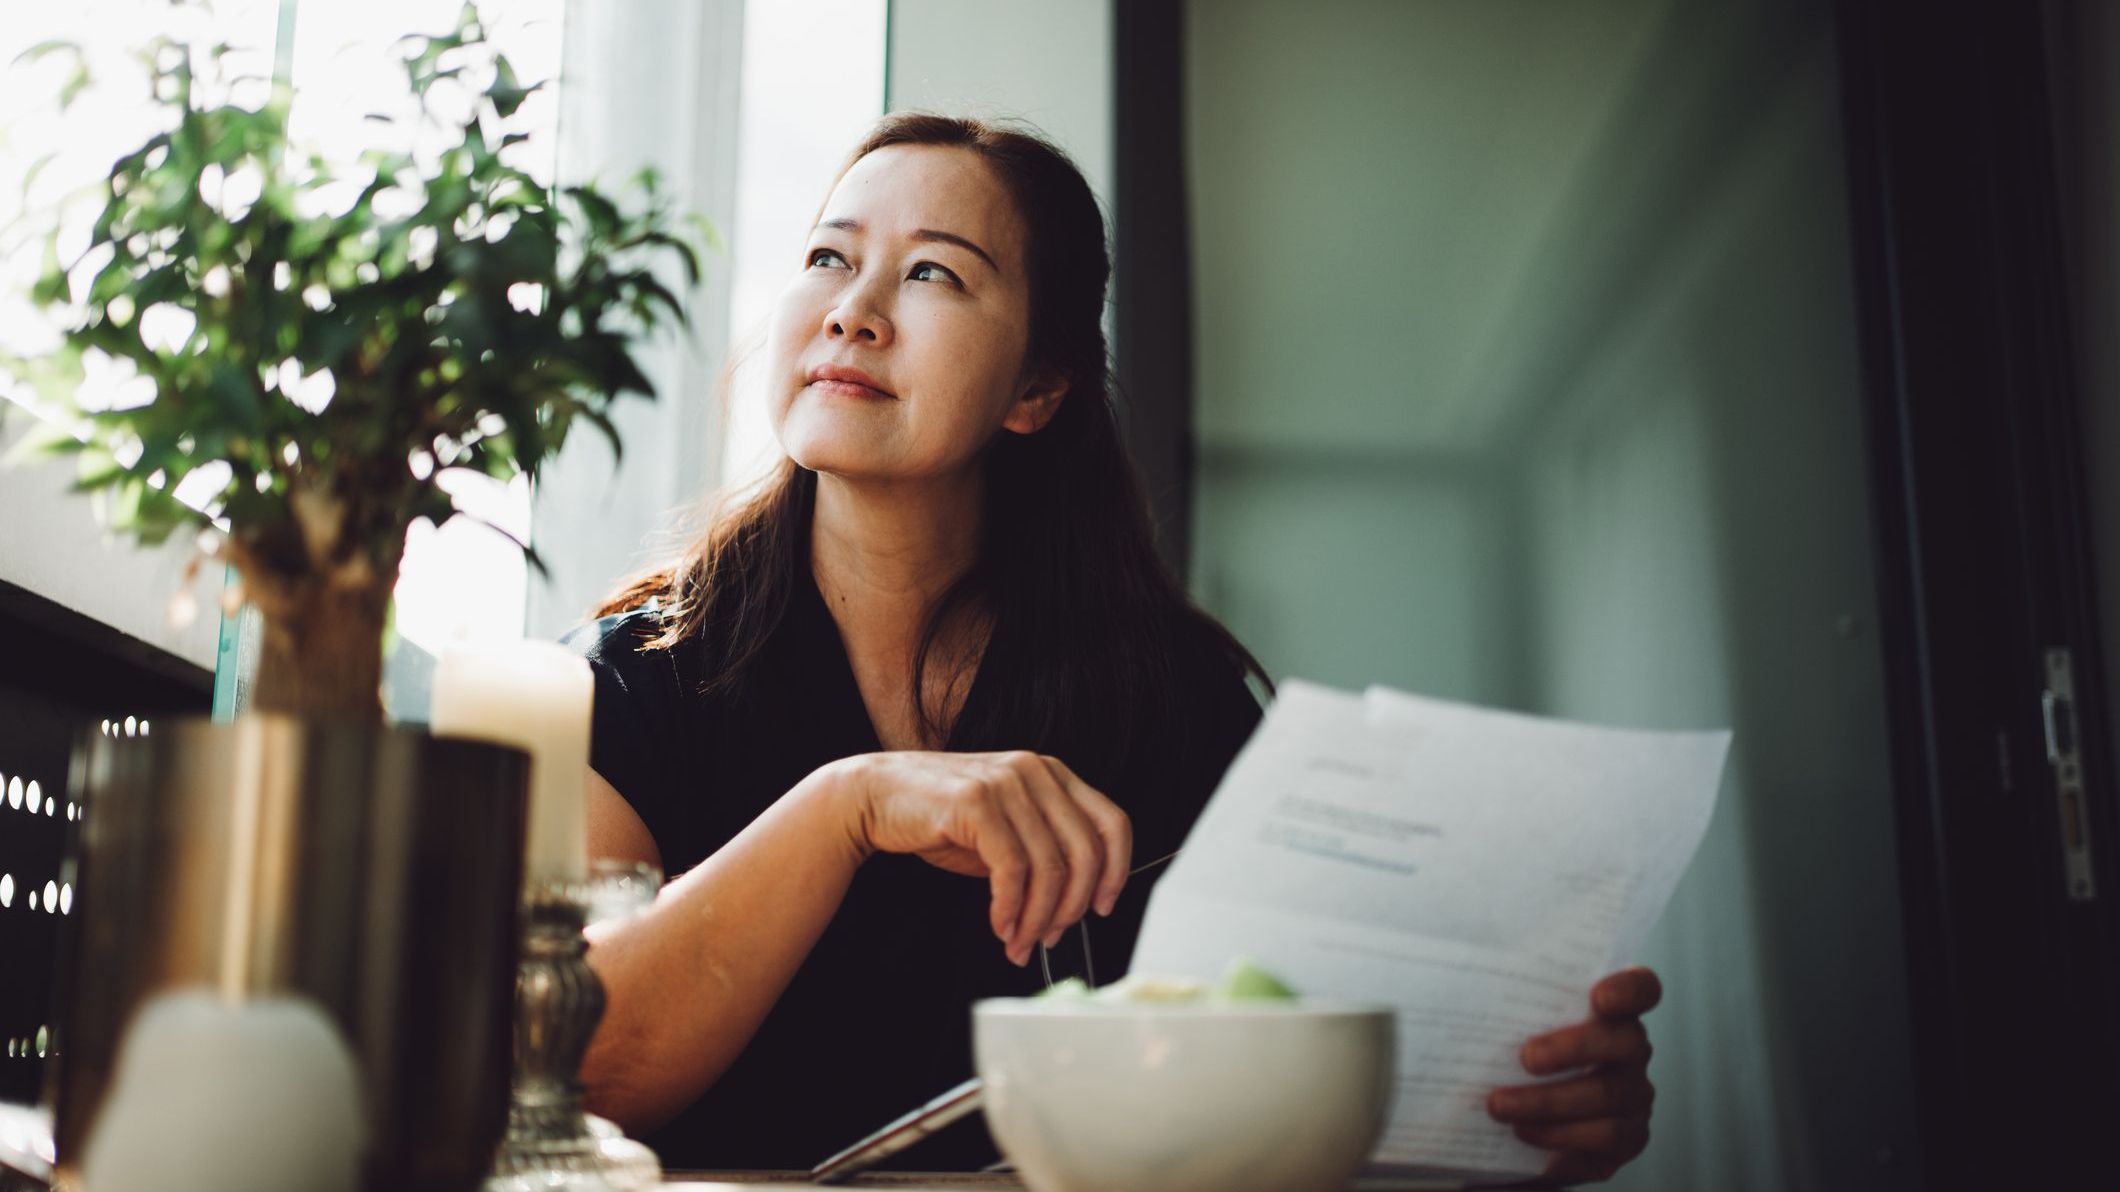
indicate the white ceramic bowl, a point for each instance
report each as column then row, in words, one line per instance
column 1277, row 1097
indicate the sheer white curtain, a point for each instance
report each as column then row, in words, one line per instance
column 812, row 87
column 644, row 82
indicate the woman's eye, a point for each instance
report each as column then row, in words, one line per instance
column 924, row 271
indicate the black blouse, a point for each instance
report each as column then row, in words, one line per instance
column 877, row 1019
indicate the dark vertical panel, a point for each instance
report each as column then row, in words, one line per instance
column 1152, row 275
column 1978, row 504
column 60, row 673
column 2083, row 40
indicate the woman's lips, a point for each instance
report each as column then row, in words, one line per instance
column 850, row 389
column 848, row 381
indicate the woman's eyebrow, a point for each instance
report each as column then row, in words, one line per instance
column 854, row 225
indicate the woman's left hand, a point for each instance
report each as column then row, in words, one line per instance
column 1597, row 1121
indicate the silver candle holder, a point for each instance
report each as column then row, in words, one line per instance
column 552, row 1144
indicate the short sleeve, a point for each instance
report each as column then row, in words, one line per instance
column 634, row 716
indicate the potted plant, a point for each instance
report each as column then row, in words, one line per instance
column 343, row 333
column 476, row 330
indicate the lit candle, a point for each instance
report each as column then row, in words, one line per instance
column 535, row 696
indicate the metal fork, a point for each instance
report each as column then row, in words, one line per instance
column 959, row 1102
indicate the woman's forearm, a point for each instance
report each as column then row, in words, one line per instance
column 688, row 981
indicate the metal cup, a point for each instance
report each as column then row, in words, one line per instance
column 375, row 871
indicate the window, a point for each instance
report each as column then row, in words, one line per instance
column 76, row 149
column 50, row 542
column 756, row 158
column 812, row 85
column 460, row 579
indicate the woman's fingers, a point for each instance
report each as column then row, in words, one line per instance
column 1079, row 844
column 1050, row 846
column 1627, row 994
column 1567, row 1169
column 1599, row 1120
column 1588, row 1150
column 1007, row 866
column 1614, row 1091
column 1598, row 1041
column 1114, row 830
column 1047, row 876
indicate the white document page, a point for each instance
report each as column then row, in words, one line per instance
column 1478, row 870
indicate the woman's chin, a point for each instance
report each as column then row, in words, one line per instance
column 859, row 454
column 822, row 442
column 842, row 460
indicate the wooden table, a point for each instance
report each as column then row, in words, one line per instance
column 899, row 1180
column 737, row 1181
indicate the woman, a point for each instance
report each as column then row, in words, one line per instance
column 935, row 646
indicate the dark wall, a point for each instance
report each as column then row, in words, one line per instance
column 61, row 675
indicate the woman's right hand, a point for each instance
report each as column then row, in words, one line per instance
column 1049, row 844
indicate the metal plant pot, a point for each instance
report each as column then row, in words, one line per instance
column 374, row 871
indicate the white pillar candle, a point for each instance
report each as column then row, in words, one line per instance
column 536, row 696
column 209, row 1095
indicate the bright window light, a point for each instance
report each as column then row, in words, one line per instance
column 799, row 117
column 812, row 85
column 77, row 147
column 463, row 579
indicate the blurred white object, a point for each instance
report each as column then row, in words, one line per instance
column 618, row 890
column 26, row 1142
column 213, row 1096
column 1201, row 1097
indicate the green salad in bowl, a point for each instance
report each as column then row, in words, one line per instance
column 1245, row 980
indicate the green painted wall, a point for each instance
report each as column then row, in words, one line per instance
column 1529, row 376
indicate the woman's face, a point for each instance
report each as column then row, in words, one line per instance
column 915, row 277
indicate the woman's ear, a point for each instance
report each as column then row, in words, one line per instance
column 1036, row 405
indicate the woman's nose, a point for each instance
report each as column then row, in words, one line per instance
column 857, row 316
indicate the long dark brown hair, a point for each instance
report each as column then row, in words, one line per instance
column 1086, row 619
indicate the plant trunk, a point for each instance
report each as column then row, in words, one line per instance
column 321, row 653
